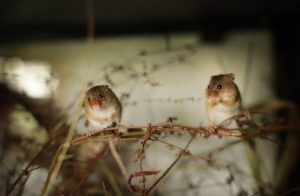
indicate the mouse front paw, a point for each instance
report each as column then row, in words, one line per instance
column 211, row 129
column 122, row 129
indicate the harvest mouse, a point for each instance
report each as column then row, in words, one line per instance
column 223, row 102
column 102, row 107
column 224, row 109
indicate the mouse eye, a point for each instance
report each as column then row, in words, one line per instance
column 89, row 99
column 100, row 96
column 219, row 86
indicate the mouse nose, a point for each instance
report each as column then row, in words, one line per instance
column 213, row 94
column 95, row 103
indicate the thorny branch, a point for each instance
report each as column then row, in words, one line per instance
column 150, row 133
column 171, row 166
column 142, row 132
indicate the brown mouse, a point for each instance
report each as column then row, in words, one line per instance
column 102, row 107
column 223, row 102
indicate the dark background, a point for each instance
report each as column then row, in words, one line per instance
column 68, row 17
column 39, row 19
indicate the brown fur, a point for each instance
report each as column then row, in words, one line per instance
column 229, row 93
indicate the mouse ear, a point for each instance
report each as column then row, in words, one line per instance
column 231, row 76
column 211, row 77
column 104, row 86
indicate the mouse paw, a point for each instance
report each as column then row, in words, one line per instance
column 244, row 116
column 122, row 129
column 90, row 133
column 211, row 129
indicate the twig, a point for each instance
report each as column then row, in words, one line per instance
column 111, row 179
column 61, row 151
column 138, row 132
column 104, row 188
column 169, row 145
column 27, row 168
column 222, row 148
column 91, row 165
column 118, row 159
column 171, row 166
column 249, row 64
column 142, row 174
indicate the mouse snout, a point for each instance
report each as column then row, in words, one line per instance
column 212, row 94
column 95, row 103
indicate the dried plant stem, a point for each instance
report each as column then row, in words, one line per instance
column 223, row 147
column 171, row 166
column 26, row 170
column 139, row 132
column 37, row 156
column 248, row 66
column 104, row 189
column 118, row 159
column 168, row 144
column 62, row 151
column 91, row 165
column 111, row 179
column 204, row 157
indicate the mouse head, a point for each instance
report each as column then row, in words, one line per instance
column 222, row 88
column 99, row 97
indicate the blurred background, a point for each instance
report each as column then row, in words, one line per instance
column 158, row 57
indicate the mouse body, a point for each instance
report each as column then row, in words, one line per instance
column 223, row 102
column 102, row 107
